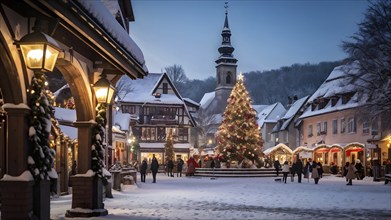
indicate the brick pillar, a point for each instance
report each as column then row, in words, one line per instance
column 87, row 193
column 17, row 199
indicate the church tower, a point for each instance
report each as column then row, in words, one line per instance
column 225, row 66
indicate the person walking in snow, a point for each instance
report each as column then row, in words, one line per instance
column 143, row 169
column 191, row 165
column 320, row 169
column 360, row 170
column 345, row 170
column 285, row 171
column 277, row 166
column 350, row 175
column 154, row 167
column 170, row 168
column 293, row 171
column 299, row 169
column 179, row 167
column 315, row 172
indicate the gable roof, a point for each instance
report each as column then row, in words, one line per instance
column 207, row 99
column 270, row 113
column 142, row 90
column 289, row 116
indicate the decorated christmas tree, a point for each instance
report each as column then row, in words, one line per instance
column 239, row 136
column 169, row 148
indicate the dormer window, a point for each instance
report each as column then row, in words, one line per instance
column 165, row 88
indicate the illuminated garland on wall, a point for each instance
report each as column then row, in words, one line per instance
column 97, row 149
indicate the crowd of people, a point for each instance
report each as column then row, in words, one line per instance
column 312, row 169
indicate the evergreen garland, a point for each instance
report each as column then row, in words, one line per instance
column 97, row 149
column 40, row 159
column 169, row 148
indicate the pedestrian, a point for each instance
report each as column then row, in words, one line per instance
column 387, row 170
column 293, row 171
column 143, row 169
column 308, row 169
column 154, row 167
column 277, row 166
column 170, row 167
column 285, row 171
column 179, row 167
column 320, row 169
column 315, row 173
column 360, row 170
column 350, row 175
column 345, row 170
column 191, row 165
column 299, row 169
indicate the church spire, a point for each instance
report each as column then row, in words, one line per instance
column 226, row 48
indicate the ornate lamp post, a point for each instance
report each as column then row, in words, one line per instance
column 104, row 91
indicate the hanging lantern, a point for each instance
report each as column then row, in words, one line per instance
column 104, row 91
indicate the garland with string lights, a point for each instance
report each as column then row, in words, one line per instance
column 97, row 150
column 40, row 158
column 239, row 136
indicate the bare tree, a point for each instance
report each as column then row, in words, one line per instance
column 176, row 74
column 123, row 88
column 205, row 124
column 370, row 49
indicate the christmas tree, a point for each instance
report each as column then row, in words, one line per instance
column 169, row 148
column 239, row 136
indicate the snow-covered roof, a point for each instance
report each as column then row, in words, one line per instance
column 69, row 131
column 277, row 147
column 259, row 108
column 141, row 91
column 207, row 99
column 191, row 101
column 111, row 25
column 270, row 113
column 116, row 129
column 301, row 149
column 63, row 114
column 338, row 82
column 122, row 120
column 292, row 112
column 161, row 145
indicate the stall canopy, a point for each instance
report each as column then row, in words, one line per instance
column 301, row 149
column 282, row 147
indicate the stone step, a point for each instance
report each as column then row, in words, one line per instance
column 234, row 172
column 233, row 175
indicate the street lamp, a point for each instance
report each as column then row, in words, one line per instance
column 104, row 91
column 39, row 50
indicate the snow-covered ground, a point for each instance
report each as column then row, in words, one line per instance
column 244, row 198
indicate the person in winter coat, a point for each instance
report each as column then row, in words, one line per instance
column 179, row 167
column 320, row 169
column 293, row 171
column 143, row 169
column 285, row 171
column 277, row 166
column 308, row 168
column 315, row 174
column 360, row 170
column 191, row 165
column 299, row 169
column 345, row 170
column 154, row 167
column 170, row 167
column 350, row 173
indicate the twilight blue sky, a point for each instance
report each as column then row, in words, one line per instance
column 266, row 34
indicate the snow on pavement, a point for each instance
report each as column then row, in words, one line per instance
column 243, row 198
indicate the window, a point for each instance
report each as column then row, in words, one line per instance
column 310, row 134
column 335, row 126
column 174, row 133
column 352, row 125
column 374, row 127
column 131, row 109
column 228, row 78
column 318, row 129
column 183, row 134
column 165, row 88
column 323, row 129
column 365, row 126
column 343, row 125
column 148, row 134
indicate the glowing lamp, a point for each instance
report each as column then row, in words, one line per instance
column 39, row 50
column 104, row 91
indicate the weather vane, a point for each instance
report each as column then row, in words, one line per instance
column 226, row 7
